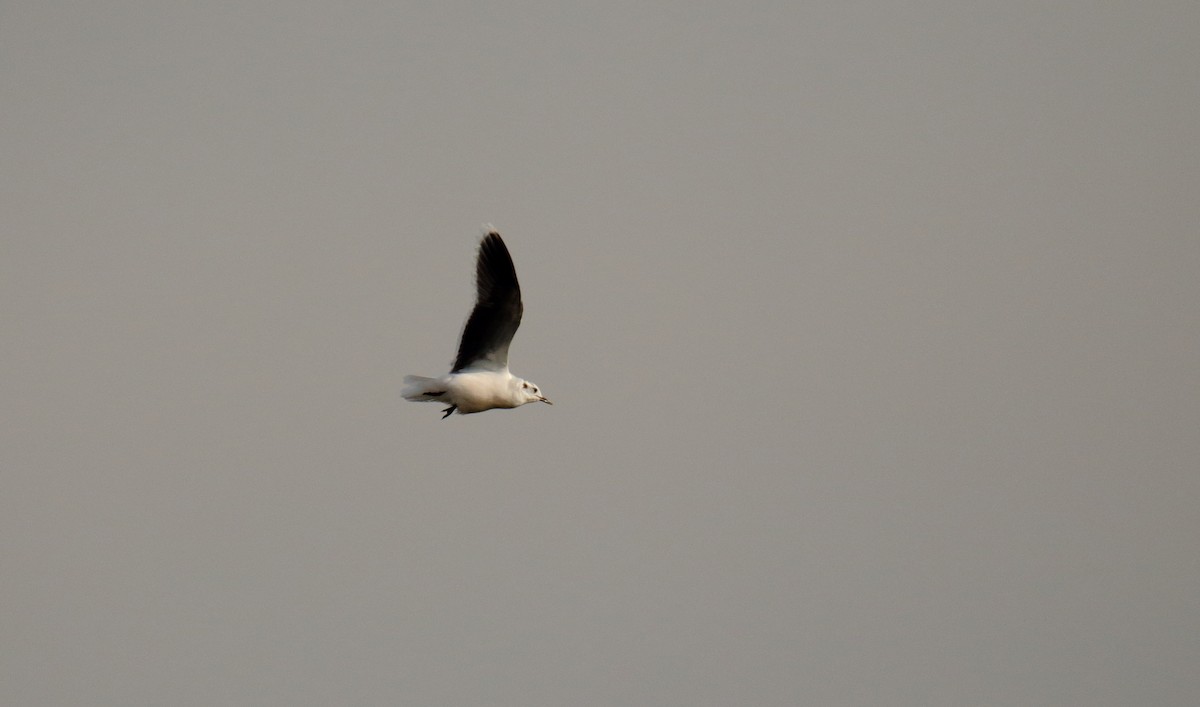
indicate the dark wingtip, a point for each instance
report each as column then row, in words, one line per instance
column 490, row 240
column 494, row 264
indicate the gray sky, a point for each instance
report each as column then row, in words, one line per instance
column 872, row 329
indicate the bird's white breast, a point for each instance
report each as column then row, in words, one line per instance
column 476, row 391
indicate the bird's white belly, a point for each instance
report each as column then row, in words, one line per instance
column 477, row 391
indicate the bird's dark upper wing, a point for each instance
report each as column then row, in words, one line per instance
column 497, row 312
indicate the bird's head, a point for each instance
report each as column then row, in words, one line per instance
column 533, row 394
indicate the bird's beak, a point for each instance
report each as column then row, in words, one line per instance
column 546, row 400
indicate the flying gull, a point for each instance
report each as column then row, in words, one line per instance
column 480, row 379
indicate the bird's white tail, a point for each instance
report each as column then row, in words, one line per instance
column 421, row 389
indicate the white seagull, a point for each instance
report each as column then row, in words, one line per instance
column 480, row 379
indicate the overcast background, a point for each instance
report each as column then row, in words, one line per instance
column 871, row 326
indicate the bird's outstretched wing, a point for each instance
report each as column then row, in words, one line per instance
column 497, row 314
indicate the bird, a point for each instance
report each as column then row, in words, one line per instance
column 479, row 379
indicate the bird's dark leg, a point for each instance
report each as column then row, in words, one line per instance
column 449, row 411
